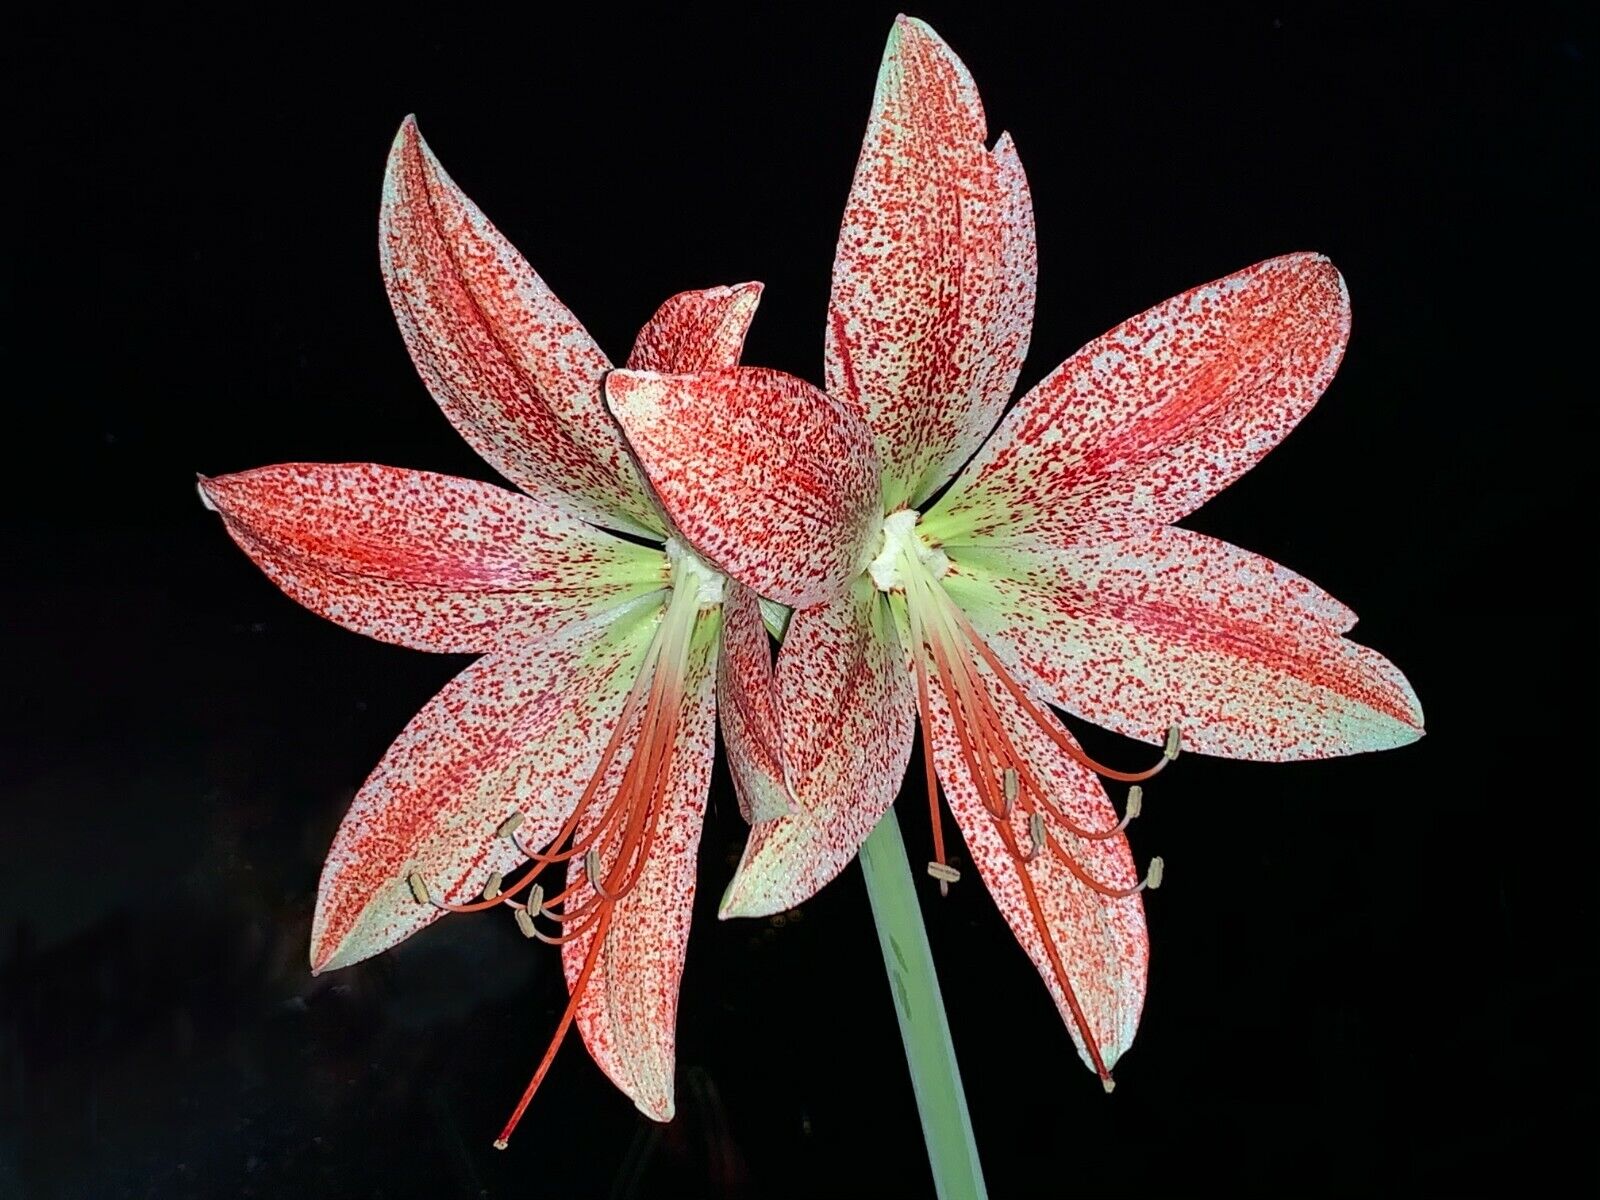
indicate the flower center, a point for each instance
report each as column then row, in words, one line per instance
column 692, row 573
column 903, row 548
column 976, row 693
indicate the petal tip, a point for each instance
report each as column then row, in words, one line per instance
column 200, row 482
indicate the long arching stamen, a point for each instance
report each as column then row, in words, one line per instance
column 578, row 986
column 938, row 868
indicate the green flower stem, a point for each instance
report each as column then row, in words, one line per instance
column 946, row 1127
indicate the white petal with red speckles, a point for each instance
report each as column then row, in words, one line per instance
column 747, row 701
column 1101, row 943
column 509, row 364
column 424, row 560
column 517, row 731
column 771, row 480
column 628, row 1013
column 847, row 704
column 933, row 278
column 696, row 331
column 1173, row 627
column 1145, row 424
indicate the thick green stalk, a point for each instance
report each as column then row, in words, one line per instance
column 946, row 1127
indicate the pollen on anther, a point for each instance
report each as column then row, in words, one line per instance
column 524, row 922
column 1152, row 878
column 1109, row 1084
column 419, row 887
column 535, row 898
column 591, row 865
column 1008, row 783
column 509, row 825
column 491, row 888
column 943, row 872
column 1135, row 802
column 501, row 1143
column 1036, row 828
column 1174, row 743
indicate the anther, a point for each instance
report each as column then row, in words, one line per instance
column 1174, row 743
column 536, row 899
column 591, row 867
column 1135, row 803
column 501, row 1143
column 1036, row 834
column 524, row 922
column 509, row 825
column 1008, row 785
column 491, row 888
column 1109, row 1084
column 419, row 887
column 943, row 872
column 1152, row 877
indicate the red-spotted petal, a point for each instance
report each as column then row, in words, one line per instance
column 1095, row 946
column 509, row 364
column 933, row 278
column 697, row 331
column 747, row 700
column 1146, row 423
column 517, row 731
column 771, row 480
column 628, row 1012
column 847, row 705
column 1170, row 627
column 424, row 560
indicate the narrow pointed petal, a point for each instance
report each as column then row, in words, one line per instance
column 628, row 1013
column 771, row 480
column 517, row 731
column 847, row 704
column 1171, row 627
column 697, row 331
column 424, row 560
column 512, row 368
column 1146, row 423
column 747, row 700
column 933, row 278
column 1094, row 945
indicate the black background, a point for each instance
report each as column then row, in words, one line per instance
column 1368, row 975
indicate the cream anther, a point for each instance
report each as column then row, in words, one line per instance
column 689, row 570
column 903, row 545
column 419, row 887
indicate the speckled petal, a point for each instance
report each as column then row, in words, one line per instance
column 747, row 701
column 509, row 364
column 933, row 278
column 425, row 560
column 697, row 331
column 1100, row 946
column 628, row 1013
column 1172, row 627
column 517, row 731
column 1145, row 424
column 847, row 704
column 771, row 480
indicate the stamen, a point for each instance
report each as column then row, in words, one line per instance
column 1036, row 833
column 1135, row 804
column 509, row 825
column 1108, row 1083
column 944, row 872
column 524, row 922
column 419, row 887
column 491, row 889
column 1174, row 743
column 1009, row 785
column 1152, row 878
column 591, row 868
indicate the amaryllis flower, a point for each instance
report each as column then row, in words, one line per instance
column 1048, row 573
column 583, row 737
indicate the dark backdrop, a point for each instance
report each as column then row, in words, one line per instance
column 1368, row 975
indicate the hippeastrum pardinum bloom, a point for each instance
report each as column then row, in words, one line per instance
column 582, row 739
column 1049, row 572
